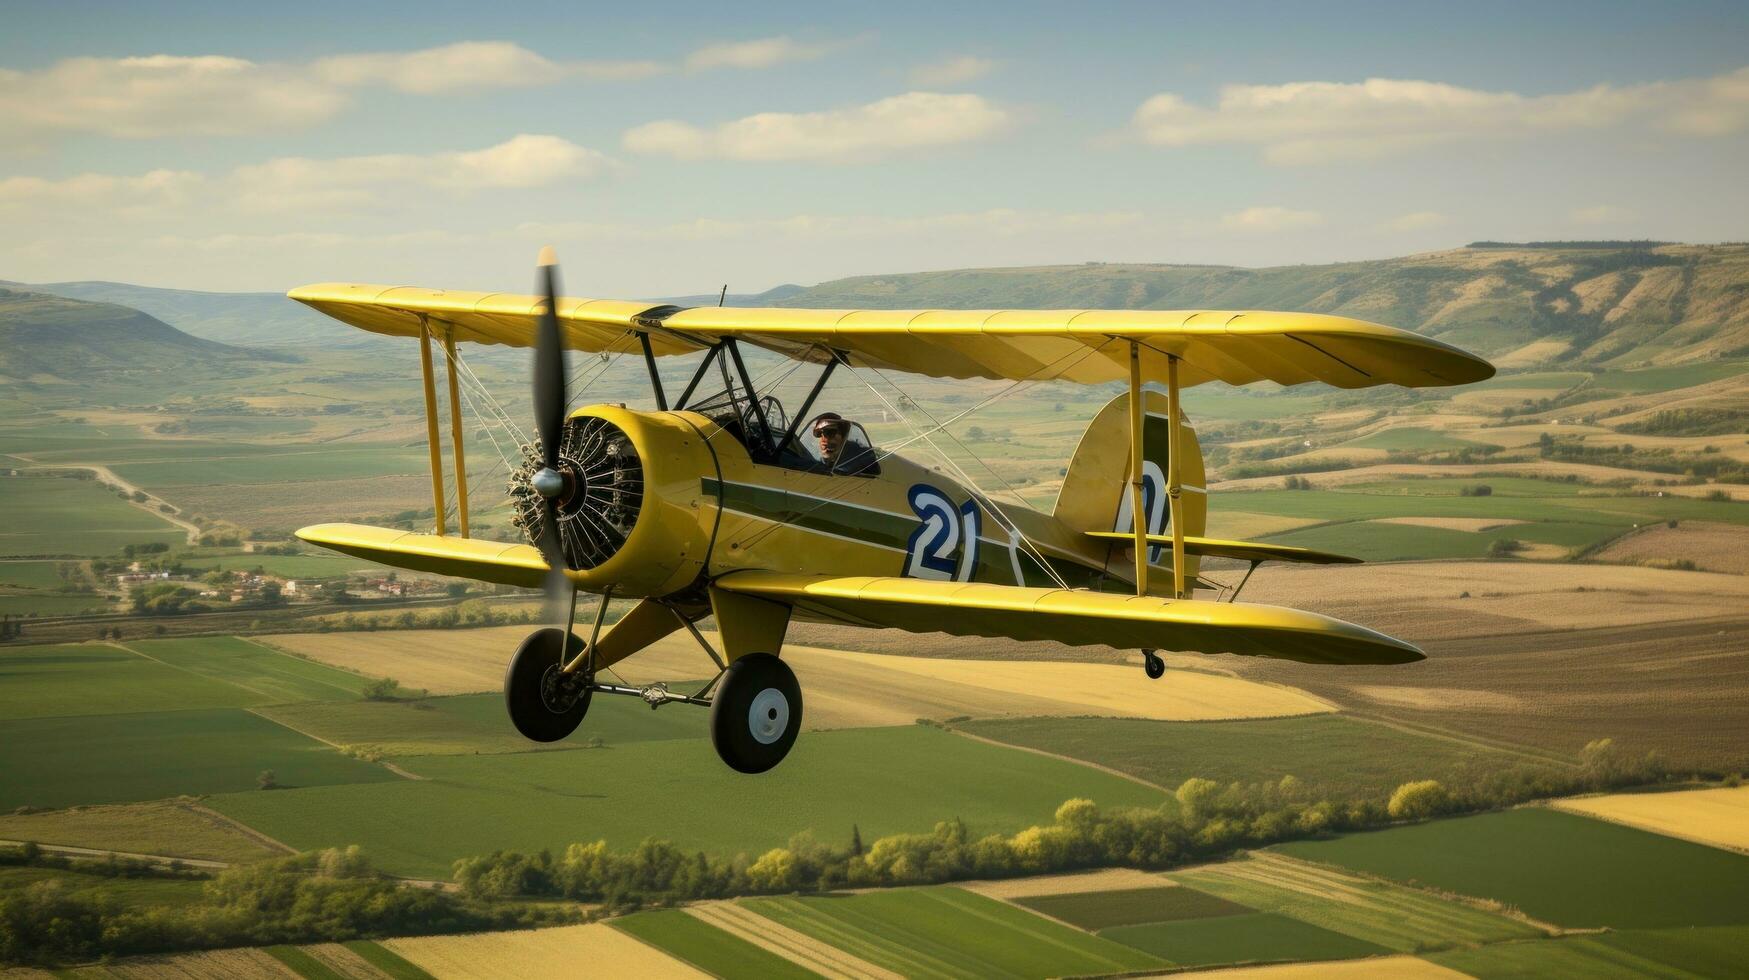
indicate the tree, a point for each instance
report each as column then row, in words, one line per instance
column 267, row 780
column 1418, row 800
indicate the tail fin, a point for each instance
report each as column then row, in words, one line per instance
column 1095, row 494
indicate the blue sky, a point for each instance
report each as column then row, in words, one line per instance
column 671, row 148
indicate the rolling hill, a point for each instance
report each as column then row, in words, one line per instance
column 1601, row 303
column 46, row 337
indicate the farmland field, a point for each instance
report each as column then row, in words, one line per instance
column 56, row 762
column 687, row 938
column 32, row 574
column 1378, row 912
column 1706, row 951
column 135, row 892
column 881, row 780
column 1709, row 816
column 1330, row 754
column 56, row 516
column 475, row 723
column 1131, row 906
column 591, row 951
column 1557, row 867
column 169, row 828
column 273, row 675
column 276, row 466
column 1252, row 937
column 938, row 932
column 100, row 679
column 1409, row 438
column 289, row 566
column 50, row 604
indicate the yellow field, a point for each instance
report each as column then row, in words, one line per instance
column 594, row 950
column 841, row 689
column 1719, row 817
column 1712, row 547
column 166, row 828
column 1376, row 968
column 1108, row 879
column 1240, row 526
column 218, row 964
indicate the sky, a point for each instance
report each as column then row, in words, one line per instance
column 669, row 149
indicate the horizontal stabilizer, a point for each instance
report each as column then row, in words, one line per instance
column 1242, row 550
column 1075, row 616
column 486, row 561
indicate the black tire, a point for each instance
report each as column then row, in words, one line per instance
column 545, row 705
column 1152, row 663
column 756, row 713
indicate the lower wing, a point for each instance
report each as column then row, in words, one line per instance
column 1076, row 617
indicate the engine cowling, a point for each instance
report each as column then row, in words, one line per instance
column 633, row 515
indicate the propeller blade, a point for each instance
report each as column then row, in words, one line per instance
column 549, row 365
column 557, row 588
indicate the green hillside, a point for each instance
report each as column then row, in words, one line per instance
column 1621, row 304
column 44, row 336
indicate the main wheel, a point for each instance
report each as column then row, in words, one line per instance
column 756, row 713
column 1152, row 664
column 545, row 703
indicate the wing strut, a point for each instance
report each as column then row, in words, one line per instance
column 431, row 437
column 455, row 432
column 1138, row 515
column 1175, row 411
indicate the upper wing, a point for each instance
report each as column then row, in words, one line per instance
column 1076, row 617
column 485, row 561
column 1086, row 346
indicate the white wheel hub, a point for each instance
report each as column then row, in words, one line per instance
column 768, row 717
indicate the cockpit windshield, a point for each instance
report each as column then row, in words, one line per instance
column 829, row 443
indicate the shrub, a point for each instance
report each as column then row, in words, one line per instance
column 1418, row 800
column 383, row 689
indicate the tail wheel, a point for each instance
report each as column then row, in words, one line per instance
column 756, row 713
column 545, row 703
column 1152, row 664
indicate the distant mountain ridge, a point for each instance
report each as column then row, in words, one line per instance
column 1604, row 303
column 44, row 336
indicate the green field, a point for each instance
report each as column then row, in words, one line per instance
column 52, row 604
column 947, row 932
column 1438, row 498
column 1561, row 868
column 164, row 827
column 1373, row 541
column 57, row 516
column 1131, row 906
column 1705, row 951
column 387, row 960
column 302, row 963
column 1332, row 755
column 273, row 675
column 1256, row 937
column 32, row 574
column 1535, row 380
column 705, row 946
column 278, row 465
column 475, row 723
column 1385, row 914
column 883, row 780
column 133, row 893
column 99, row 679
column 56, row 762
column 287, row 566
column 1668, row 378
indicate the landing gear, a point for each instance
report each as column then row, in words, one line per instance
column 545, row 703
column 1153, row 665
column 756, row 713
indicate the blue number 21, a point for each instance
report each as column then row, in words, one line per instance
column 930, row 552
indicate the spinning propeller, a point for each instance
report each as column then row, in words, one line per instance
column 550, row 482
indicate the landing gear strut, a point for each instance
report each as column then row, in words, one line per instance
column 1153, row 665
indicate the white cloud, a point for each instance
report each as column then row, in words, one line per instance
column 169, row 95
column 1600, row 214
column 1416, row 221
column 140, row 98
column 302, row 184
column 1315, row 122
column 951, row 71
column 1269, row 219
column 765, row 52
column 450, row 68
column 879, row 129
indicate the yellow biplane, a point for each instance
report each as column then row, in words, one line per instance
column 719, row 503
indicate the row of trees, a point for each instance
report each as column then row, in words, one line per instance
column 324, row 896
column 1205, row 820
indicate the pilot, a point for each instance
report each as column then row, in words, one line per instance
column 839, row 451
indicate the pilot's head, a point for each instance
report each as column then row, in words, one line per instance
column 830, row 428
